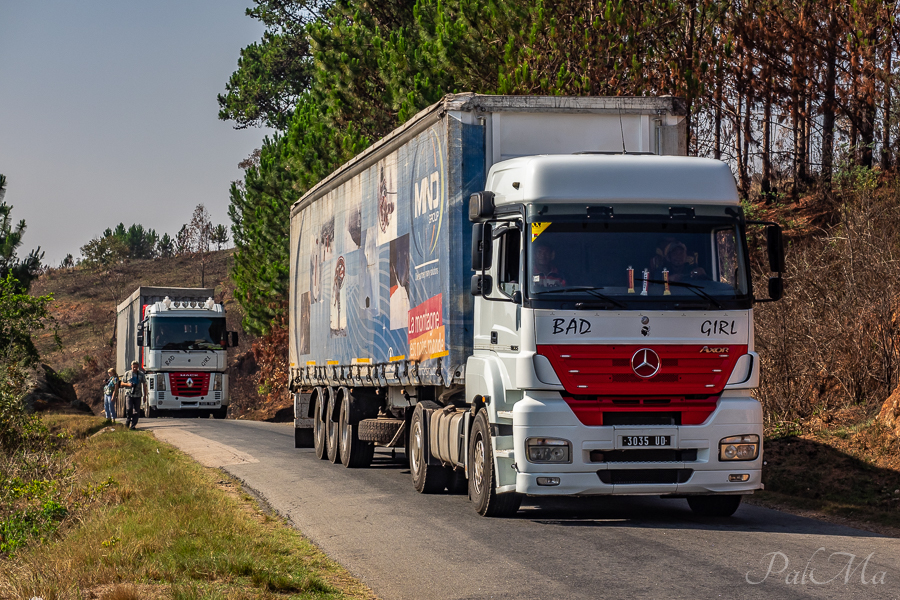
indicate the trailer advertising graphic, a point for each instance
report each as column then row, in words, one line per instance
column 369, row 263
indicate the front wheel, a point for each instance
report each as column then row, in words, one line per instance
column 482, row 479
column 221, row 412
column 714, row 506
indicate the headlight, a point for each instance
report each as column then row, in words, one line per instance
column 548, row 450
column 217, row 383
column 161, row 382
column 739, row 447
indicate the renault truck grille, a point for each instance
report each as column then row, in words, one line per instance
column 189, row 385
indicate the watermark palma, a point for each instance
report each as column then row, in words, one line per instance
column 837, row 568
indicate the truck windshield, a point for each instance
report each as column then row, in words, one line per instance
column 637, row 262
column 187, row 333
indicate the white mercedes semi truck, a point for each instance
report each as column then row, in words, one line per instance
column 179, row 337
column 533, row 296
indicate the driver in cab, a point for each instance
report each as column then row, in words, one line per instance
column 680, row 267
column 544, row 273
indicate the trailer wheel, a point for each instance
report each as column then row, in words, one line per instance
column 355, row 453
column 482, row 480
column 427, row 479
column 332, row 431
column 319, row 429
column 714, row 506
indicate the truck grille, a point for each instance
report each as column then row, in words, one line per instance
column 645, row 476
column 607, row 370
column 199, row 384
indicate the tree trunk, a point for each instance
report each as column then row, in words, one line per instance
column 766, row 183
column 886, row 108
column 717, row 143
column 828, row 103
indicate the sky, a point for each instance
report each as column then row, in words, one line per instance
column 108, row 114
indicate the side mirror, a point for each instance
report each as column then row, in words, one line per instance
column 482, row 246
column 481, row 206
column 517, row 297
column 776, row 288
column 482, row 285
column 140, row 337
column 234, row 339
column 775, row 247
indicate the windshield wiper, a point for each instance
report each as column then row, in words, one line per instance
column 582, row 288
column 694, row 288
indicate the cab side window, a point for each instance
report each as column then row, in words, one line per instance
column 509, row 251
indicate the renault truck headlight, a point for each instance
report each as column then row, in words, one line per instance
column 217, row 383
column 548, row 450
column 161, row 382
column 739, row 447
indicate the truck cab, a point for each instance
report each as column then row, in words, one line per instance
column 182, row 348
column 613, row 331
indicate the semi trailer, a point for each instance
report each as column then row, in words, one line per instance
column 533, row 296
column 179, row 338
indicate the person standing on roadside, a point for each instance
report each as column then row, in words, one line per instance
column 136, row 382
column 110, row 389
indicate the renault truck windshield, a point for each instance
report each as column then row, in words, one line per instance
column 187, row 333
column 631, row 262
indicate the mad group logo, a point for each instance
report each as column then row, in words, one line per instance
column 428, row 194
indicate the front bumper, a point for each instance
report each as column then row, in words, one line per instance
column 545, row 414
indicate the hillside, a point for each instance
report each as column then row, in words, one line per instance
column 85, row 311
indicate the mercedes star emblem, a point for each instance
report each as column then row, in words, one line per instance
column 645, row 363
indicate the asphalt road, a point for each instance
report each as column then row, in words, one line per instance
column 407, row 545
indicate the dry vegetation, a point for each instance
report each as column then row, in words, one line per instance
column 830, row 352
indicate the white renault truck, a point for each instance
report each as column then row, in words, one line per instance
column 179, row 337
column 533, row 296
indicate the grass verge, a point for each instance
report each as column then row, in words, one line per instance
column 155, row 524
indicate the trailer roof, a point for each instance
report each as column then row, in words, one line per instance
column 470, row 102
column 612, row 178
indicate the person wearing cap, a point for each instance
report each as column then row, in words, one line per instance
column 678, row 265
column 136, row 382
column 110, row 388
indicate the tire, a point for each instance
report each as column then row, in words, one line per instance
column 152, row 413
column 355, row 453
column 319, row 430
column 714, row 506
column 379, row 430
column 482, row 479
column 220, row 413
column 427, row 479
column 332, row 431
